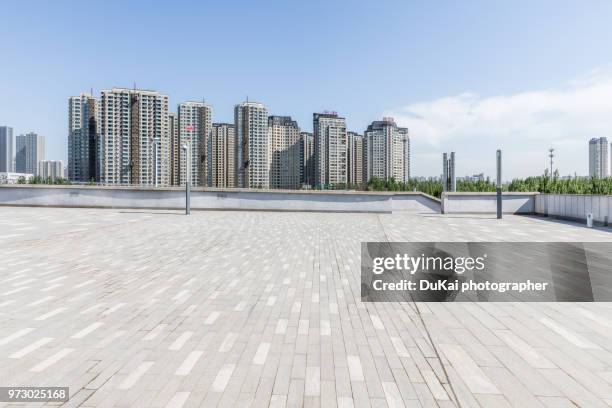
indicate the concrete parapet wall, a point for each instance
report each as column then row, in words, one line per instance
column 576, row 207
column 485, row 203
column 415, row 203
column 216, row 199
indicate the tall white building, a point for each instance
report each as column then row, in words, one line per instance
column 83, row 139
column 7, row 150
column 598, row 158
column 387, row 151
column 194, row 119
column 355, row 155
column 285, row 156
column 221, row 156
column 30, row 150
column 135, row 137
column 52, row 169
column 330, row 142
column 252, row 145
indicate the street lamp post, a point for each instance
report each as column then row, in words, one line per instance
column 187, row 179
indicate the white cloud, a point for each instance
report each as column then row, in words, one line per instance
column 524, row 125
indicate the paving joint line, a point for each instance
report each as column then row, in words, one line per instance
column 431, row 342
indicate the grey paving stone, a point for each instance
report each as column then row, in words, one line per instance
column 152, row 308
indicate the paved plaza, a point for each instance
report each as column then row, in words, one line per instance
column 138, row 308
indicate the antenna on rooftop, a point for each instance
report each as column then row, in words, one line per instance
column 551, row 154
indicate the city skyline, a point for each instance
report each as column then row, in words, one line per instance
column 400, row 116
column 131, row 137
column 457, row 81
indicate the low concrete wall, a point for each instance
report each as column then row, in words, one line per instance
column 575, row 207
column 486, row 203
column 415, row 203
column 216, row 199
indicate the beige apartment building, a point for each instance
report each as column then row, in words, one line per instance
column 284, row 136
column 330, row 142
column 387, row 151
column 53, row 169
column 135, row 137
column 252, row 145
column 194, row 121
column 221, row 153
column 355, row 158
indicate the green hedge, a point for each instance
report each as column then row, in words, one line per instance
column 542, row 184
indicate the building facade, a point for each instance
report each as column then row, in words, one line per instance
column 284, row 136
column 30, row 150
column 221, row 153
column 51, row 169
column 355, row 156
column 252, row 145
column 598, row 158
column 135, row 137
column 7, row 150
column 330, row 143
column 175, row 149
column 83, row 139
column 307, row 178
column 387, row 151
column 14, row 178
column 194, row 119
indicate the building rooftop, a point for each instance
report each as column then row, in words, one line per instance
column 326, row 114
column 154, row 308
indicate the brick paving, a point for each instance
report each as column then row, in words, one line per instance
column 135, row 308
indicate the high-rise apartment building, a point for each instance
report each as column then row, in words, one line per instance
column 52, row 169
column 355, row 155
column 284, row 136
column 135, row 137
column 598, row 158
column 252, row 145
column 221, row 154
column 387, row 151
column 83, row 139
column 194, row 120
column 405, row 137
column 330, row 141
column 175, row 149
column 307, row 159
column 7, row 150
column 30, row 150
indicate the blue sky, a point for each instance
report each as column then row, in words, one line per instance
column 430, row 64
